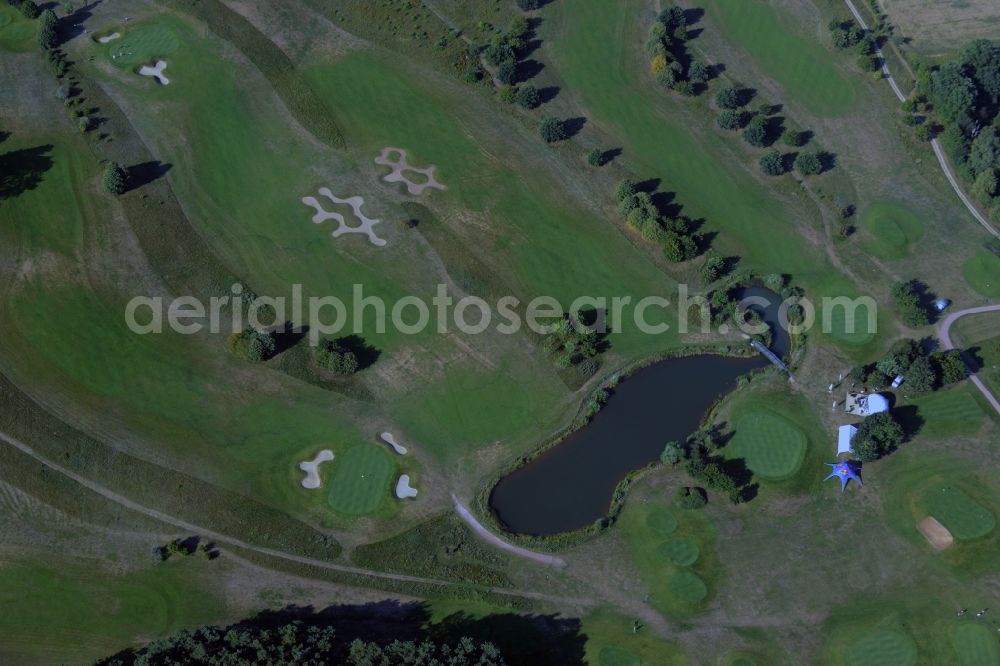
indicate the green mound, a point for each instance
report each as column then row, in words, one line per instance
column 949, row 412
column 850, row 326
column 688, row 587
column 5, row 18
column 142, row 45
column 682, row 552
column 975, row 645
column 982, row 272
column 883, row 647
column 772, row 446
column 16, row 33
column 661, row 522
column 616, row 656
column 964, row 518
column 360, row 480
column 894, row 229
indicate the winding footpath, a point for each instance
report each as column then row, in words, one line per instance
column 935, row 144
column 493, row 539
column 945, row 337
column 269, row 552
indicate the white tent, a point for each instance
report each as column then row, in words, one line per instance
column 844, row 437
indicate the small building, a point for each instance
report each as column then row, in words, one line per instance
column 844, row 437
column 861, row 404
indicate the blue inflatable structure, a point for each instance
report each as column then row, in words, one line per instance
column 845, row 471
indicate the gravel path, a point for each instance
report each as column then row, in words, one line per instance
column 938, row 152
column 486, row 535
column 943, row 334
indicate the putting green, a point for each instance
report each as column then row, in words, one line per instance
column 5, row 18
column 965, row 518
column 360, row 480
column 975, row 645
column 894, row 229
column 661, row 522
column 799, row 63
column 142, row 45
column 772, row 446
column 680, row 551
column 616, row 656
column 16, row 32
column 688, row 587
column 883, row 647
column 982, row 272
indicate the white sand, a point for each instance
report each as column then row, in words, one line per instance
column 366, row 226
column 311, row 468
column 400, row 165
column 391, row 441
column 108, row 38
column 403, row 488
column 156, row 71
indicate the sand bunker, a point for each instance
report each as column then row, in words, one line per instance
column 311, row 468
column 399, row 165
column 403, row 488
column 937, row 535
column 355, row 203
column 107, row 38
column 156, row 71
column 391, row 441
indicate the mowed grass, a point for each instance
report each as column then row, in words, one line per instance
column 883, row 647
column 982, row 272
column 673, row 552
column 894, row 229
column 142, row 44
column 72, row 612
column 801, row 64
column 17, row 33
column 610, row 641
column 965, row 518
column 772, row 446
column 975, row 645
column 948, row 412
column 360, row 480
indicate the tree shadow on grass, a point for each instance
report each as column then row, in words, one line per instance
column 528, row 69
column 146, row 172
column 547, row 94
column 23, row 170
column 910, row 419
column 364, row 352
column 574, row 126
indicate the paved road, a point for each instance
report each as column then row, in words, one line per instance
column 938, row 152
column 486, row 535
column 270, row 552
column 943, row 333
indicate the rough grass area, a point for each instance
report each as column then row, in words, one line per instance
column 439, row 548
column 772, row 446
column 611, row 642
column 360, row 480
column 975, row 645
column 893, row 229
column 965, row 518
column 982, row 272
column 938, row 28
column 800, row 63
column 142, row 44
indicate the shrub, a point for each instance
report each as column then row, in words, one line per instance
column 688, row 497
column 29, row 9
column 507, row 94
column 48, row 36
column 498, row 53
column 507, row 72
column 672, row 453
column 772, row 163
column 658, row 64
column 869, row 62
column 596, row 157
column 626, row 189
column 253, row 345
column 792, row 138
column 713, row 269
column 951, row 367
column 878, row 435
column 922, row 132
column 339, row 360
column 756, row 132
column 527, row 5
column 729, row 98
column 985, row 186
column 698, row 72
column 528, row 97
column 922, row 376
column 115, row 180
column 552, row 130
column 808, row 164
column 907, row 301
column 730, row 119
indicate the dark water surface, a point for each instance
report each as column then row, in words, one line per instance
column 570, row 485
